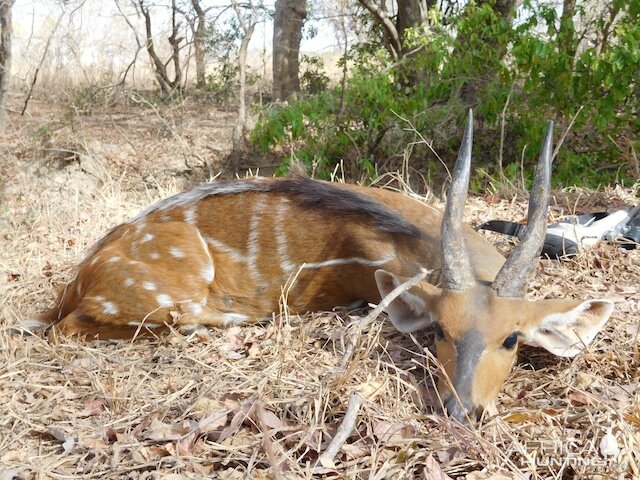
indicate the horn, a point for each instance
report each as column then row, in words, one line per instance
column 511, row 281
column 456, row 264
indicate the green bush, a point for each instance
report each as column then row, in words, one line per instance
column 479, row 59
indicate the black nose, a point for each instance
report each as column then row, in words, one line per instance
column 461, row 412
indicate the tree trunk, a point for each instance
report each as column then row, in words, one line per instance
column 287, row 34
column 391, row 39
column 411, row 14
column 5, row 54
column 567, row 32
column 167, row 85
column 247, row 25
column 199, row 39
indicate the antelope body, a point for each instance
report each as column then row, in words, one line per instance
column 221, row 254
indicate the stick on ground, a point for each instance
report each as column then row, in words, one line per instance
column 344, row 430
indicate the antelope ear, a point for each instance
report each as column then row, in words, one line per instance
column 411, row 311
column 566, row 327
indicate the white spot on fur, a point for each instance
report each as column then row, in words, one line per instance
column 143, row 324
column 176, row 252
column 208, row 273
column 234, row 318
column 128, row 282
column 110, row 308
column 93, row 262
column 190, row 214
column 113, row 259
column 147, row 238
column 154, row 255
column 164, row 300
column 149, row 286
column 79, row 288
column 194, row 308
column 99, row 298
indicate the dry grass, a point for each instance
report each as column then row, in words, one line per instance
column 265, row 401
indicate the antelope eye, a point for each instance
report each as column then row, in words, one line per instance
column 511, row 341
column 438, row 331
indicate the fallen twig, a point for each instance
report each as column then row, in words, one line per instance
column 344, row 430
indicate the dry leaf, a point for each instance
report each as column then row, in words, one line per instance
column 389, row 431
column 433, row 471
column 519, row 417
column 355, row 450
column 213, row 422
column 233, row 427
column 92, row 407
column 580, row 398
column 160, row 431
column 272, row 421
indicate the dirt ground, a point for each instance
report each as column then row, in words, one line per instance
column 265, row 401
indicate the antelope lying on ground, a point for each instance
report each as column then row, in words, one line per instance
column 220, row 254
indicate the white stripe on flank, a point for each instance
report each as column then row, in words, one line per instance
column 190, row 214
column 346, row 261
column 208, row 273
column 281, row 237
column 232, row 252
column 253, row 240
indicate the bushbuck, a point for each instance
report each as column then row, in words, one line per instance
column 220, row 254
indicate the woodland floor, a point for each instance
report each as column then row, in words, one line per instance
column 264, row 401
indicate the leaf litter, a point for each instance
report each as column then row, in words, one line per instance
column 266, row 401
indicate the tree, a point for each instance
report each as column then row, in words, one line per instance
column 5, row 53
column 198, row 25
column 411, row 14
column 287, row 33
column 247, row 21
column 168, row 85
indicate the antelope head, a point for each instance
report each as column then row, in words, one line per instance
column 479, row 324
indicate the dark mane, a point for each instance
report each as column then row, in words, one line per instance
column 315, row 194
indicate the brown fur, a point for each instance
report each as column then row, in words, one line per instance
column 220, row 255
